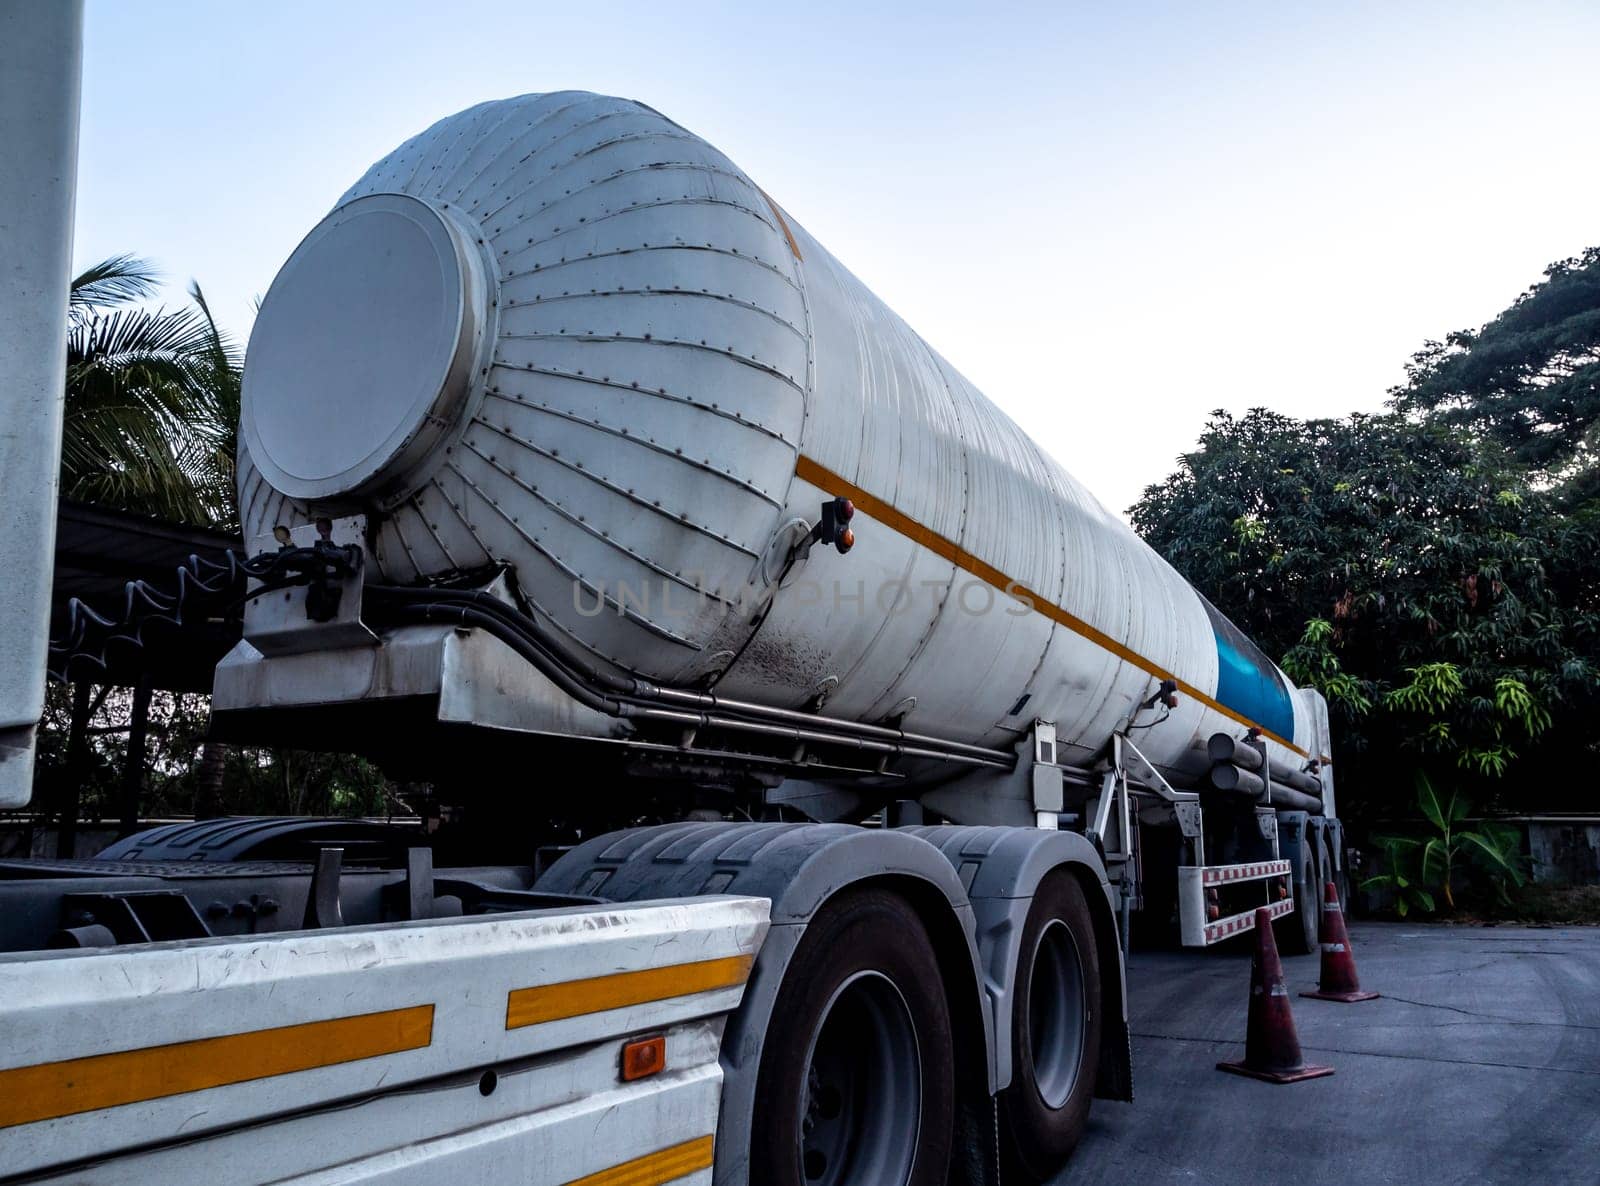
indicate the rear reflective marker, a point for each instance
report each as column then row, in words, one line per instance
column 643, row 1058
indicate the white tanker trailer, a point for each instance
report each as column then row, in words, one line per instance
column 560, row 349
column 563, row 336
column 580, row 480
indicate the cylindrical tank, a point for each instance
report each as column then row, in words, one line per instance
column 561, row 333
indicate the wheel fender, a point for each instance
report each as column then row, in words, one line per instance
column 1294, row 844
column 798, row 867
column 1001, row 868
column 255, row 838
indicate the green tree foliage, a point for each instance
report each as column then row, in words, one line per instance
column 1434, row 570
column 256, row 781
column 152, row 402
column 1404, row 569
column 1529, row 381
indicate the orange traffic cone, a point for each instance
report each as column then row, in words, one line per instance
column 1271, row 1046
column 1338, row 981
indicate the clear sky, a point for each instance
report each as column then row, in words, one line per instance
column 1111, row 217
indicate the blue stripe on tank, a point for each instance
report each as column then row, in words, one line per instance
column 1247, row 681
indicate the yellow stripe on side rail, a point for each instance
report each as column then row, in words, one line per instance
column 825, row 479
column 595, row 994
column 653, row 1169
column 48, row 1091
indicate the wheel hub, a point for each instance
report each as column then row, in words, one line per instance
column 863, row 1097
column 1056, row 1014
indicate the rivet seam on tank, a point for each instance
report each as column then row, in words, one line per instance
column 703, row 294
column 582, row 524
column 559, row 232
column 654, row 169
column 528, row 272
column 539, row 149
column 682, row 518
column 570, row 573
column 555, row 176
column 620, row 608
column 643, row 442
column 655, row 392
column 808, row 470
column 703, row 345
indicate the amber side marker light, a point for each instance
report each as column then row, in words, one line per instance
column 643, row 1058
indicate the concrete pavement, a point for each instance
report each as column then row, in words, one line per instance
column 1480, row 1064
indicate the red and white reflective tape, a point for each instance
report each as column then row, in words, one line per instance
column 1244, row 922
column 1218, row 874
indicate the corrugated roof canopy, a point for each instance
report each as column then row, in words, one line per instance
column 98, row 551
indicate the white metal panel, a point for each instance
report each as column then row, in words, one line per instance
column 151, row 1001
column 543, row 1124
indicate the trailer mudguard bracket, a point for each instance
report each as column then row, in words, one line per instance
column 798, row 867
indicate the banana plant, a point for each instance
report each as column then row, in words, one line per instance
column 1417, row 866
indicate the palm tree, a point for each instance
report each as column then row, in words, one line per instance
column 152, row 414
column 152, row 402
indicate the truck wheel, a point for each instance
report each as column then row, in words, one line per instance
column 1055, row 1029
column 1297, row 934
column 857, row 1080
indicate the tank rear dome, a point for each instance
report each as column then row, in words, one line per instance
column 363, row 352
column 555, row 332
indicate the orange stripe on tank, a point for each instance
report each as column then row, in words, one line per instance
column 822, row 477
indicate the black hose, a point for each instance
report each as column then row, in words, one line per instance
column 641, row 700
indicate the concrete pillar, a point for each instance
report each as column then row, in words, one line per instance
column 41, row 64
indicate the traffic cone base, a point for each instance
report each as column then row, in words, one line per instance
column 1338, row 980
column 1348, row 998
column 1309, row 1071
column 1271, row 1046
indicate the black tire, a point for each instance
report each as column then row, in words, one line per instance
column 1297, row 933
column 857, row 1079
column 1055, row 1031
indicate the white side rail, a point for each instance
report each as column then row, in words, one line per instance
column 450, row 1051
column 1200, row 920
